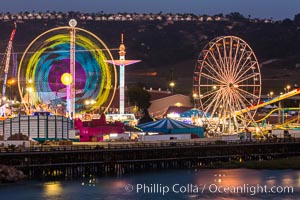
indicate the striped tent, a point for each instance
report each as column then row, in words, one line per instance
column 167, row 125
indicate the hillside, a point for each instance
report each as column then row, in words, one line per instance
column 171, row 47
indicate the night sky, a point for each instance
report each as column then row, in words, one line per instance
column 276, row 9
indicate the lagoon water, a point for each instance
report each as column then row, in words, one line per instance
column 165, row 184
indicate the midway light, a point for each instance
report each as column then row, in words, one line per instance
column 29, row 89
column 66, row 79
column 87, row 102
column 172, row 84
column 113, row 135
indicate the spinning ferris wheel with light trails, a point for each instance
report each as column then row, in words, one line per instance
column 226, row 80
column 47, row 60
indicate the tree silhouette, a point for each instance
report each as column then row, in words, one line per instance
column 297, row 19
column 145, row 118
column 139, row 96
column 236, row 16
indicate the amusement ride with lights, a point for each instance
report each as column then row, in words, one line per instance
column 69, row 71
column 64, row 68
column 227, row 85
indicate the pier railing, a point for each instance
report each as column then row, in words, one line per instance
column 121, row 157
column 106, row 146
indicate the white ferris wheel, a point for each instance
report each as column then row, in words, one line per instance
column 227, row 81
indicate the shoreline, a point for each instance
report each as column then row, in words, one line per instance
column 290, row 163
column 276, row 164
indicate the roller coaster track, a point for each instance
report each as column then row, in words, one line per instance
column 268, row 102
column 274, row 110
column 291, row 120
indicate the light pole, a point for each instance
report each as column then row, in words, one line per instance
column 271, row 94
column 172, row 85
column 195, row 95
column 288, row 87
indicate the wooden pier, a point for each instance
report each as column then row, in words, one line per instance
column 82, row 160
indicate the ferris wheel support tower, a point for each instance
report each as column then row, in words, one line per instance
column 71, row 87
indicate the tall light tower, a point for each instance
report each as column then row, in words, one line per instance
column 122, row 63
column 71, row 87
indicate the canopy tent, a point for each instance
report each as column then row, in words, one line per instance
column 167, row 125
column 192, row 113
column 270, row 106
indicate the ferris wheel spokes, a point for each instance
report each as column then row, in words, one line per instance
column 209, row 96
column 222, row 72
column 237, row 64
column 227, row 80
column 217, row 73
column 218, row 103
column 236, row 54
column 245, row 100
column 243, row 67
column 212, row 78
column 213, row 103
column 221, row 60
column 249, row 76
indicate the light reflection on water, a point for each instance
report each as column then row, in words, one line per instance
column 237, row 177
column 246, row 178
column 52, row 189
column 113, row 188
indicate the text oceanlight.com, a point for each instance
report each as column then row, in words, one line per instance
column 208, row 188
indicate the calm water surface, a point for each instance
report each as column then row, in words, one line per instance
column 172, row 184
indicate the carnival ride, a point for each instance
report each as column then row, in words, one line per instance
column 122, row 62
column 283, row 110
column 291, row 123
column 271, row 101
column 6, row 62
column 227, row 79
column 67, row 64
column 227, row 86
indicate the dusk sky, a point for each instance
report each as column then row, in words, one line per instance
column 277, row 9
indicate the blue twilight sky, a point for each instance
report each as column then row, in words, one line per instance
column 277, row 9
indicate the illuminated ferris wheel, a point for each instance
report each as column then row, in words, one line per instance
column 227, row 81
column 67, row 66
